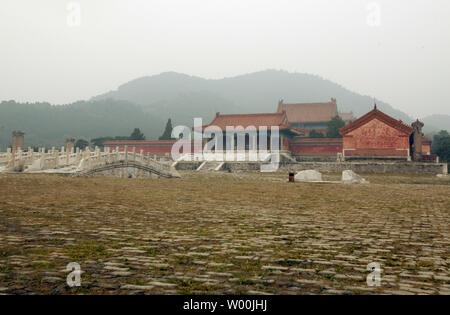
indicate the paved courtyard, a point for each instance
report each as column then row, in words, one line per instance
column 245, row 233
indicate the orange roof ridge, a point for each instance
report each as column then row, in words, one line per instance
column 309, row 112
column 313, row 103
column 376, row 113
column 257, row 120
column 258, row 114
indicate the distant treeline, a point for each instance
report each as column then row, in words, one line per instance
column 441, row 145
column 46, row 125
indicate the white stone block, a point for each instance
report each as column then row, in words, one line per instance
column 350, row 177
column 308, row 176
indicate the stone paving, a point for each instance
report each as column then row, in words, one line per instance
column 246, row 233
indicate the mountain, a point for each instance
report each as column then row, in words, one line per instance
column 251, row 93
column 436, row 123
column 148, row 102
column 48, row 125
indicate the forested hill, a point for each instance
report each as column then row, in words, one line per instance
column 187, row 96
column 49, row 125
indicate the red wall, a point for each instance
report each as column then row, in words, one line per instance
column 316, row 147
column 376, row 138
column 426, row 148
column 156, row 147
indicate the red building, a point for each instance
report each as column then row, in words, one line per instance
column 373, row 136
column 315, row 147
column 426, row 145
column 312, row 116
column 268, row 120
column 377, row 135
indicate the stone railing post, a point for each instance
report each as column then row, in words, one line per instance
column 56, row 157
column 106, row 155
column 20, row 151
column 67, row 157
column 52, row 156
column 78, row 156
column 87, row 153
column 29, row 156
column 99, row 156
column 8, row 157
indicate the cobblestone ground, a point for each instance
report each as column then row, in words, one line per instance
column 245, row 233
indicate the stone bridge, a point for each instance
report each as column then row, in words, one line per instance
column 125, row 168
column 126, row 163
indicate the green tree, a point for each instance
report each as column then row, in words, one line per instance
column 316, row 134
column 167, row 135
column 137, row 135
column 444, row 150
column 81, row 144
column 437, row 140
column 441, row 145
column 333, row 127
column 98, row 142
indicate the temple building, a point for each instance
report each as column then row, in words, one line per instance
column 245, row 121
column 373, row 136
column 312, row 116
column 379, row 136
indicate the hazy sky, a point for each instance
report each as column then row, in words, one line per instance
column 402, row 55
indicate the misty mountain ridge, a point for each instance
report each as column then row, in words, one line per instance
column 148, row 102
column 436, row 123
column 249, row 93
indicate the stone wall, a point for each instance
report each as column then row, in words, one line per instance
column 315, row 147
column 240, row 167
column 370, row 167
column 358, row 167
column 187, row 166
column 129, row 172
column 316, row 158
